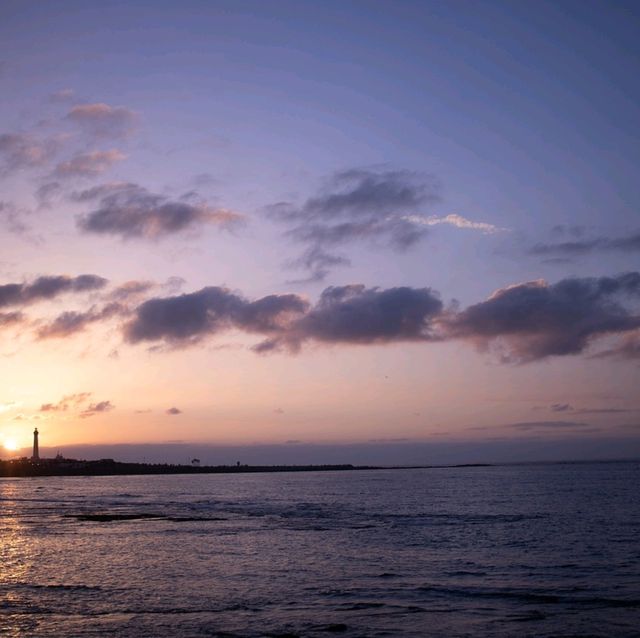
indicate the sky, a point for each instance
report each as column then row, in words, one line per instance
column 390, row 232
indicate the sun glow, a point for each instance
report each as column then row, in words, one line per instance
column 10, row 445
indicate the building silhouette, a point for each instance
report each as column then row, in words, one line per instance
column 36, row 450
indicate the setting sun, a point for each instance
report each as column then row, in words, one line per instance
column 10, row 445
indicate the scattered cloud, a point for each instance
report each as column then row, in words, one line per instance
column 67, row 402
column 104, row 121
column 71, row 322
column 354, row 205
column 63, row 95
column 566, row 407
column 97, row 408
column 173, row 411
column 47, row 193
column 627, row 348
column 13, row 219
column 378, row 206
column 22, row 150
column 11, row 318
column 47, row 287
column 89, row 164
column 131, row 290
column 575, row 248
column 548, row 425
column 132, row 212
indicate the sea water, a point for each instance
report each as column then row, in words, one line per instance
column 527, row 550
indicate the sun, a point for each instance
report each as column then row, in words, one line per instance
column 10, row 445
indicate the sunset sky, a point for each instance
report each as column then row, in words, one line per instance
column 351, row 225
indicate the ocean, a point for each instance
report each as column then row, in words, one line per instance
column 523, row 550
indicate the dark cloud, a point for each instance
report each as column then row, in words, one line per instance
column 21, row 150
column 132, row 212
column 318, row 262
column 47, row 287
column 71, row 322
column 187, row 318
column 173, row 411
column 347, row 314
column 629, row 244
column 561, row 407
column 359, row 315
column 534, row 320
column 97, row 408
column 363, row 194
column 10, row 318
column 68, row 401
column 88, row 164
column 102, row 120
column 356, row 205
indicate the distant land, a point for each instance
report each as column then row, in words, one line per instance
column 60, row 466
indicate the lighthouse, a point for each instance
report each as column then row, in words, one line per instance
column 36, row 451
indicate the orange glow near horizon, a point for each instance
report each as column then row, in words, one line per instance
column 10, row 445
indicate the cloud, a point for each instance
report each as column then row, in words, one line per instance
column 627, row 348
column 186, row 319
column 548, row 425
column 629, row 244
column 358, row 315
column 47, row 193
column 318, row 262
column 565, row 407
column 68, row 401
column 173, row 411
column 131, row 290
column 561, row 407
column 10, row 318
column 534, row 320
column 346, row 314
column 47, row 287
column 103, row 120
column 362, row 193
column 132, row 212
column 13, row 220
column 21, row 150
column 454, row 220
column 71, row 322
column 377, row 206
column 63, row 95
column 97, row 408
column 355, row 205
column 88, row 164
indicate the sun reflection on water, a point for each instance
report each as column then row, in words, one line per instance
column 16, row 558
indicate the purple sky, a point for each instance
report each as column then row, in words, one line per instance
column 377, row 229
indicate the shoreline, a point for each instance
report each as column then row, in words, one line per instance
column 25, row 468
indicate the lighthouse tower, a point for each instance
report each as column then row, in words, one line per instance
column 36, row 450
